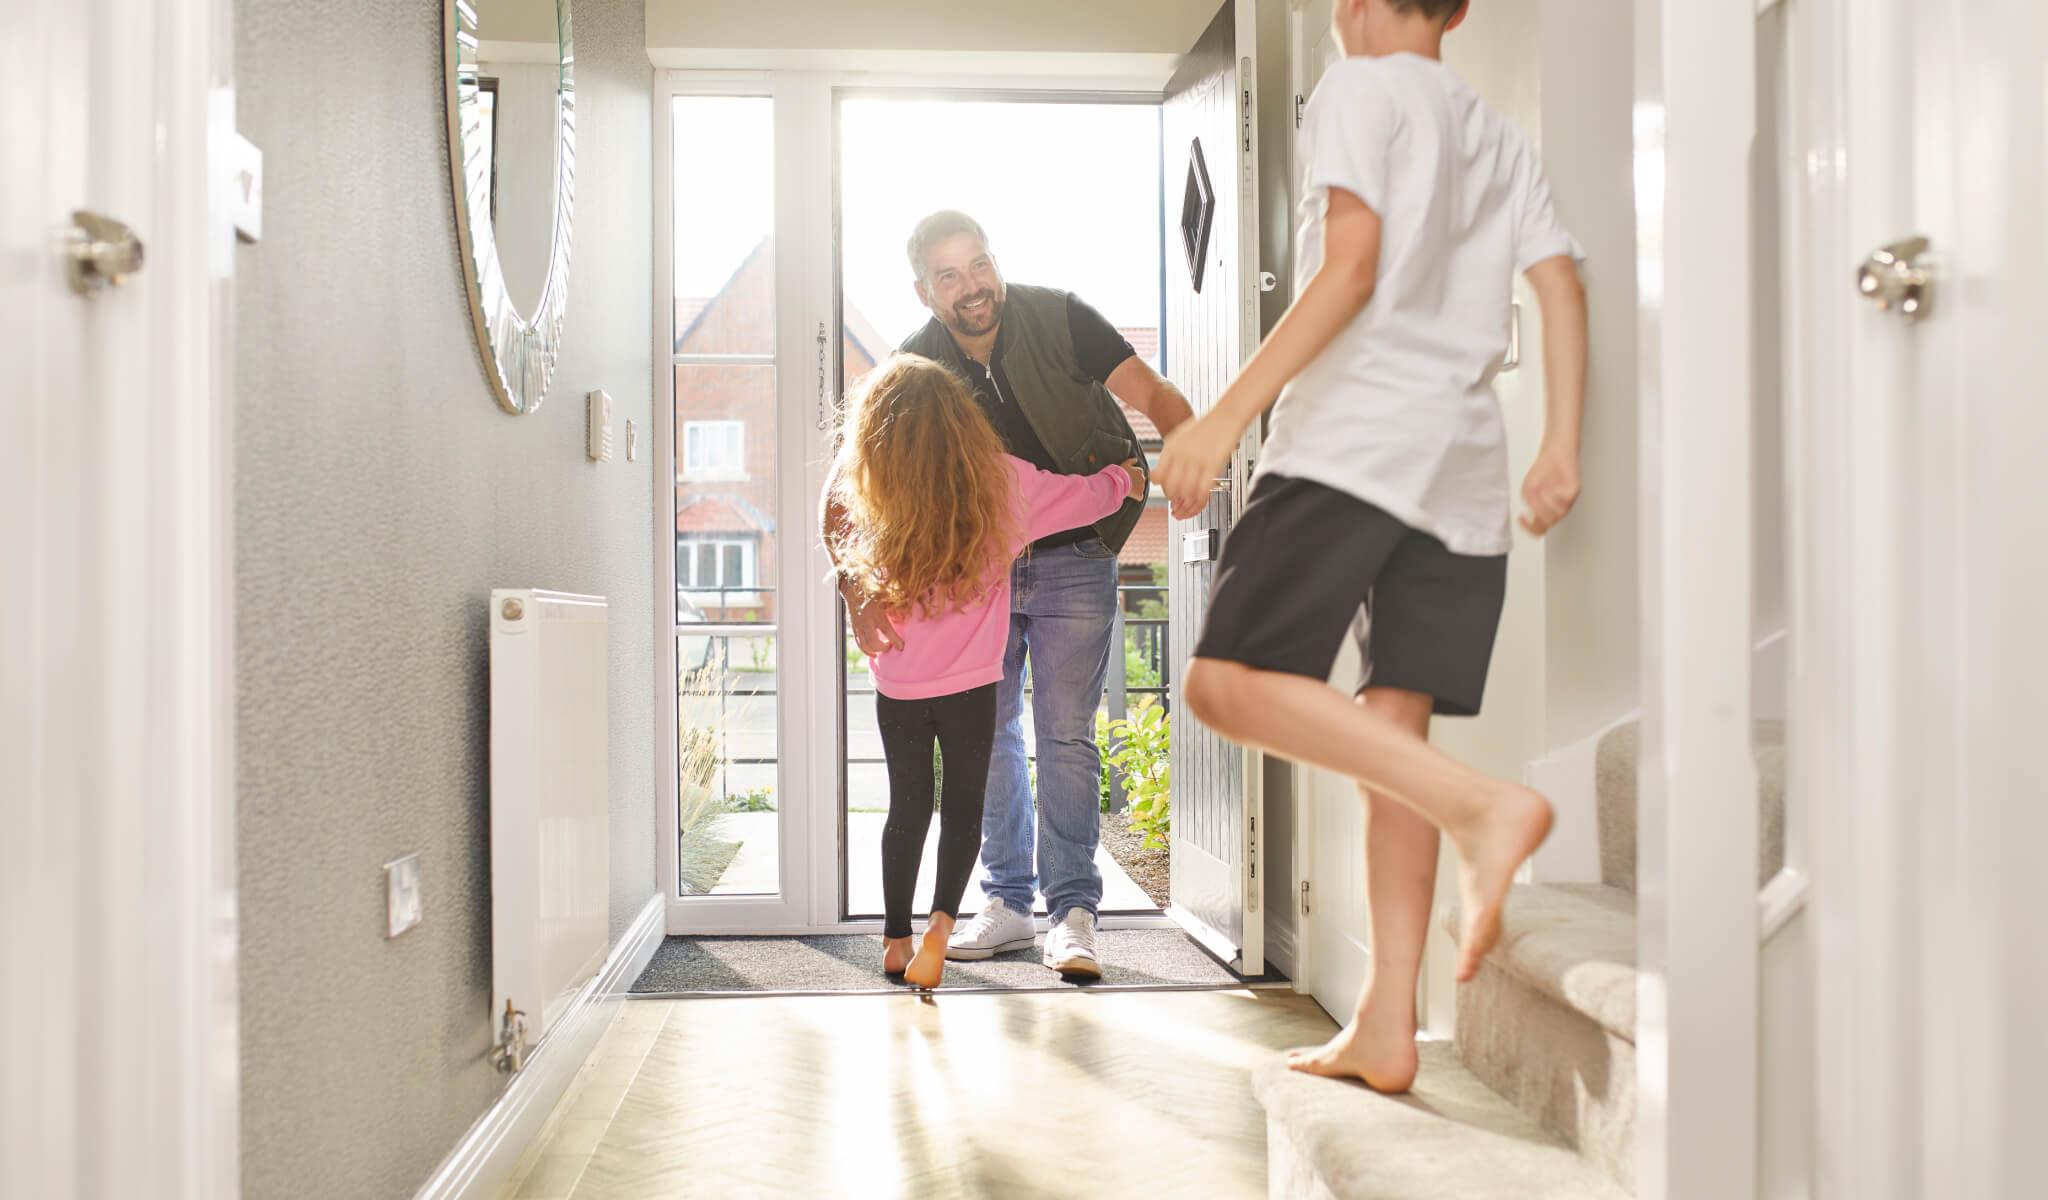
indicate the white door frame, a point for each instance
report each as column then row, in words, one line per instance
column 810, row 745
column 1696, row 925
column 119, row 1024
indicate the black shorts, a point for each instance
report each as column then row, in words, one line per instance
column 1304, row 559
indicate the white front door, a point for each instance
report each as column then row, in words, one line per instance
column 1928, row 836
column 1212, row 325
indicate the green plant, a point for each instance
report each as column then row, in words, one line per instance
column 1108, row 788
column 753, row 800
column 1138, row 669
column 1142, row 754
column 758, row 650
column 700, row 742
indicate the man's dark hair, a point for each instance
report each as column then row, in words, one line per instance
column 1440, row 11
column 937, row 228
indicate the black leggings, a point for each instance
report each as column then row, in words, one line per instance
column 964, row 725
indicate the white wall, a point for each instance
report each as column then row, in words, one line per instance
column 1591, row 621
column 1132, row 42
column 1126, row 26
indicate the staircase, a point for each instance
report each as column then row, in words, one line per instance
column 1538, row 1098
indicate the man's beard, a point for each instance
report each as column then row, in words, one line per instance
column 979, row 323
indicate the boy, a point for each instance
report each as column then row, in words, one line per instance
column 1383, row 483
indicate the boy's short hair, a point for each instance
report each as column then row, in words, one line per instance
column 937, row 228
column 1440, row 11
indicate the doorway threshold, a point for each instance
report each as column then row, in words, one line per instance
column 850, row 963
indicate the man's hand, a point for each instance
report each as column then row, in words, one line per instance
column 1137, row 474
column 1550, row 490
column 1194, row 457
column 872, row 630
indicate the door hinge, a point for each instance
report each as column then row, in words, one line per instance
column 1304, row 897
column 1299, row 104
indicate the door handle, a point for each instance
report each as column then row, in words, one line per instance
column 103, row 253
column 1892, row 277
column 1514, row 357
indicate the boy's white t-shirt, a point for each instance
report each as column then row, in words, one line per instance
column 1399, row 409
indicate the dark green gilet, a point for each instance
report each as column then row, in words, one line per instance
column 1076, row 418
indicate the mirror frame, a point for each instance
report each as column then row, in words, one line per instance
column 519, row 351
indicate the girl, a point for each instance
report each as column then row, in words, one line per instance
column 924, row 514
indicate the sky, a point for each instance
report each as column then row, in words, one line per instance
column 1069, row 194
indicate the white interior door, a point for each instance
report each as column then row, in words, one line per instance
column 117, row 934
column 1212, row 325
column 1927, row 840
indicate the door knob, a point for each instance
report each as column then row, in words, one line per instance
column 1892, row 277
column 103, row 251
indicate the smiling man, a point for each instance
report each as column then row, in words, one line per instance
column 1048, row 369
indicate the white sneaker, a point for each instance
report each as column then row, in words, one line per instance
column 995, row 929
column 1070, row 945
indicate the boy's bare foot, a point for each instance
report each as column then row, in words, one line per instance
column 1510, row 829
column 1385, row 1059
column 896, row 954
column 928, row 969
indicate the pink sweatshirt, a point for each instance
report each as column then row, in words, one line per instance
column 963, row 650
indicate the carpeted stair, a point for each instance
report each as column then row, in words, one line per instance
column 1546, row 1042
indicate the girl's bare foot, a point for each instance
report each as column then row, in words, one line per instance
column 928, row 969
column 1510, row 829
column 896, row 953
column 1384, row 1058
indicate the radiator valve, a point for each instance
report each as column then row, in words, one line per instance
column 510, row 1053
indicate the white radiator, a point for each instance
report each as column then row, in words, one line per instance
column 550, row 804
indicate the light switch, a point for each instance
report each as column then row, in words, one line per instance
column 403, row 903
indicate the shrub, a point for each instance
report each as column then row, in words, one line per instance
column 1142, row 754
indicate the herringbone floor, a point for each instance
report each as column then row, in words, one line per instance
column 1047, row 1095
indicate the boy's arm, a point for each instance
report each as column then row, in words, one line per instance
column 1198, row 451
column 1552, row 486
column 872, row 629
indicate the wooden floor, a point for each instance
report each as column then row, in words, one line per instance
column 1021, row 1096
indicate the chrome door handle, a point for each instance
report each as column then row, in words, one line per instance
column 1514, row 357
column 103, row 253
column 1892, row 277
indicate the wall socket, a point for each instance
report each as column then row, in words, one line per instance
column 403, row 905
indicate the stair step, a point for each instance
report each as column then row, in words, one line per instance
column 1575, row 943
column 1615, row 789
column 1450, row 1136
column 1549, row 1021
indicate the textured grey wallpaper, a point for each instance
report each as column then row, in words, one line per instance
column 380, row 495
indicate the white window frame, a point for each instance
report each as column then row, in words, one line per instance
column 730, row 466
column 730, row 595
column 803, row 283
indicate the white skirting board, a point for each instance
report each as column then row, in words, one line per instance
column 482, row 1162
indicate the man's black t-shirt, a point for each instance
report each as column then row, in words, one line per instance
column 1101, row 350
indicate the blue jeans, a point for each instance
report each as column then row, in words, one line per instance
column 1062, row 611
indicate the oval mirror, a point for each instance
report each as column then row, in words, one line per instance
column 512, row 147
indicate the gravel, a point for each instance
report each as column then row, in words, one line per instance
column 1151, row 869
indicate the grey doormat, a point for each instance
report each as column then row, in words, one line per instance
column 1132, row 958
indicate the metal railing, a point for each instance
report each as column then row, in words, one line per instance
column 1134, row 641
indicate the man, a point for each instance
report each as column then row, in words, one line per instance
column 1048, row 369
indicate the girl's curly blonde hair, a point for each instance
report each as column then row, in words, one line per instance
column 925, row 486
